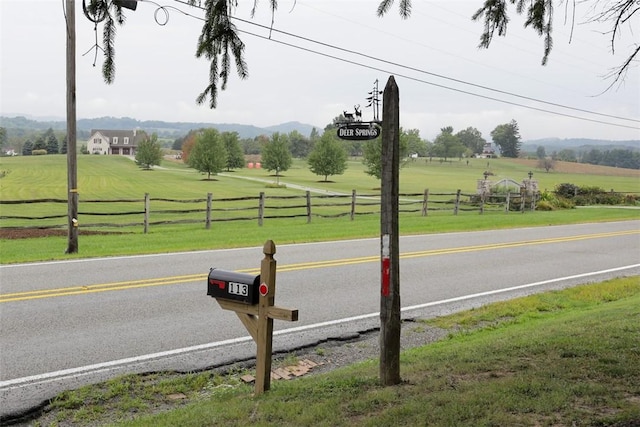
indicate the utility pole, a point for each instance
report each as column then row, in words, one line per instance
column 390, row 326
column 72, row 165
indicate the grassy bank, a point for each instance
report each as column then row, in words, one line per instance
column 566, row 358
column 180, row 238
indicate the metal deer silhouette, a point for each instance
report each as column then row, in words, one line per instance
column 358, row 112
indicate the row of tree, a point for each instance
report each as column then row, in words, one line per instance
column 47, row 143
column 619, row 158
column 210, row 151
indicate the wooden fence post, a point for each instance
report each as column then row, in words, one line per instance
column 425, row 200
column 508, row 201
column 457, row 205
column 208, row 217
column 353, row 204
column 261, row 209
column 146, row 212
column 308, row 206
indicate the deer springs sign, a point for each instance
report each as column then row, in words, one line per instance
column 358, row 131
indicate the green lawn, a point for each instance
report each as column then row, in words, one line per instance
column 110, row 177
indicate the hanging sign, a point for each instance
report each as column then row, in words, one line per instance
column 358, row 131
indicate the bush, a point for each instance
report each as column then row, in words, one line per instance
column 583, row 196
column 567, row 191
column 544, row 205
column 39, row 152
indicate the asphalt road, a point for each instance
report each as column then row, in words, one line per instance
column 68, row 323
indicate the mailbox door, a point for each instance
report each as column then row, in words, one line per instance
column 229, row 285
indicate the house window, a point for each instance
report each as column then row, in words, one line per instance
column 126, row 139
column 115, row 140
column 97, row 141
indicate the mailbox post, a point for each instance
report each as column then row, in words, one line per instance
column 253, row 298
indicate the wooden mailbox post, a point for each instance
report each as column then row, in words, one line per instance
column 256, row 317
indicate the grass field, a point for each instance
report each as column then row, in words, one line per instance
column 111, row 177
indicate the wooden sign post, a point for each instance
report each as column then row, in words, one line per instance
column 258, row 318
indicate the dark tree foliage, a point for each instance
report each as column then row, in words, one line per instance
column 276, row 155
column 540, row 16
column 208, row 154
column 53, row 147
column 63, row 147
column 328, row 156
column 507, row 137
column 301, row 146
column 619, row 158
column 472, row 139
column 40, row 143
column 220, row 43
column 235, row 155
column 27, row 148
column 149, row 152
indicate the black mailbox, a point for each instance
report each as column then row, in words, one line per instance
column 240, row 287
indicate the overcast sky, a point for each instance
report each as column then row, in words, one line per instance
column 432, row 55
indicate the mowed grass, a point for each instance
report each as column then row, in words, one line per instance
column 563, row 358
column 112, row 177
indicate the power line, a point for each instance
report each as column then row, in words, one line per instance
column 395, row 64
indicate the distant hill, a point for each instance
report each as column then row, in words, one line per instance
column 578, row 144
column 171, row 130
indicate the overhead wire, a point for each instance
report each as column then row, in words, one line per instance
column 271, row 30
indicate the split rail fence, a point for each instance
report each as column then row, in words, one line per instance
column 150, row 211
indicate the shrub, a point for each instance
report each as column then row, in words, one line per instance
column 566, row 190
column 544, row 205
column 39, row 152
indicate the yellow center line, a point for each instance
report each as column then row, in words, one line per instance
column 143, row 283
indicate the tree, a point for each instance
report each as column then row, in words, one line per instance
column 472, row 139
column 301, row 146
column 51, row 141
column 251, row 146
column 447, row 144
column 208, row 154
column 177, row 143
column 235, row 155
column 540, row 16
column 328, row 156
column 372, row 154
column 541, row 152
column 413, row 142
column 40, row 143
column 149, row 152
column 188, row 143
column 546, row 163
column 507, row 138
column 63, row 148
column 3, row 137
column 566, row 155
column 27, row 148
column 276, row 155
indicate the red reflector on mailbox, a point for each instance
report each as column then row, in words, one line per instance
column 240, row 287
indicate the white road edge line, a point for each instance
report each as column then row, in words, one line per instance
column 106, row 366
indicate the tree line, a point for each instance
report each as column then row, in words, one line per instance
column 210, row 151
column 617, row 157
